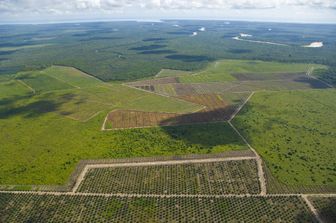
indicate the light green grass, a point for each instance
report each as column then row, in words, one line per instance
column 72, row 76
column 42, row 82
column 221, row 71
column 80, row 96
column 172, row 73
column 23, row 47
column 12, row 88
column 295, row 133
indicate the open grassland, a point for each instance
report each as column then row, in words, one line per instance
column 225, row 70
column 226, row 177
column 172, row 73
column 294, row 132
column 12, row 88
column 72, row 76
column 80, row 96
column 326, row 208
column 41, row 82
column 49, row 208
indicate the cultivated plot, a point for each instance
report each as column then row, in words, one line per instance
column 216, row 108
column 78, row 208
column 225, row 177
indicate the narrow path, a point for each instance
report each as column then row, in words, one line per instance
column 312, row 208
column 258, row 41
column 241, row 106
column 261, row 174
column 81, row 177
column 309, row 74
column 27, row 86
column 85, row 120
column 67, row 83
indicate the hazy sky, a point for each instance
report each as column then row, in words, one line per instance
column 40, row 11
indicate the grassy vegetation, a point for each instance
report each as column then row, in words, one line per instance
column 41, row 82
column 221, row 71
column 294, row 132
column 11, row 88
column 172, row 73
column 79, row 96
column 36, row 129
column 48, row 208
column 326, row 75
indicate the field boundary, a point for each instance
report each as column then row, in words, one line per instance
column 309, row 74
column 312, row 208
column 26, row 85
column 259, row 160
column 68, row 186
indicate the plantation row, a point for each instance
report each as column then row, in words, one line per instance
column 326, row 208
column 49, row 208
column 227, row 177
column 132, row 119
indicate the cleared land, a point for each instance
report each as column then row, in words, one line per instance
column 237, row 76
column 286, row 128
column 226, row 177
column 326, row 208
column 216, row 108
column 224, row 70
column 62, row 208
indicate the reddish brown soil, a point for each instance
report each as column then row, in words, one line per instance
column 215, row 110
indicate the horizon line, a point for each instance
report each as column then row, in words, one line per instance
column 155, row 20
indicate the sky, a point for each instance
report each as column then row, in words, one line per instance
column 45, row 11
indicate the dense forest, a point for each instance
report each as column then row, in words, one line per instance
column 133, row 50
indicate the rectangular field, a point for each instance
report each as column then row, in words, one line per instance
column 225, row 177
column 77, row 208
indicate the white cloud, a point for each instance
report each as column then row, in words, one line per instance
column 279, row 10
column 49, row 6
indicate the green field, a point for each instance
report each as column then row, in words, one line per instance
column 172, row 73
column 42, row 130
column 294, row 132
column 49, row 208
column 221, row 71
